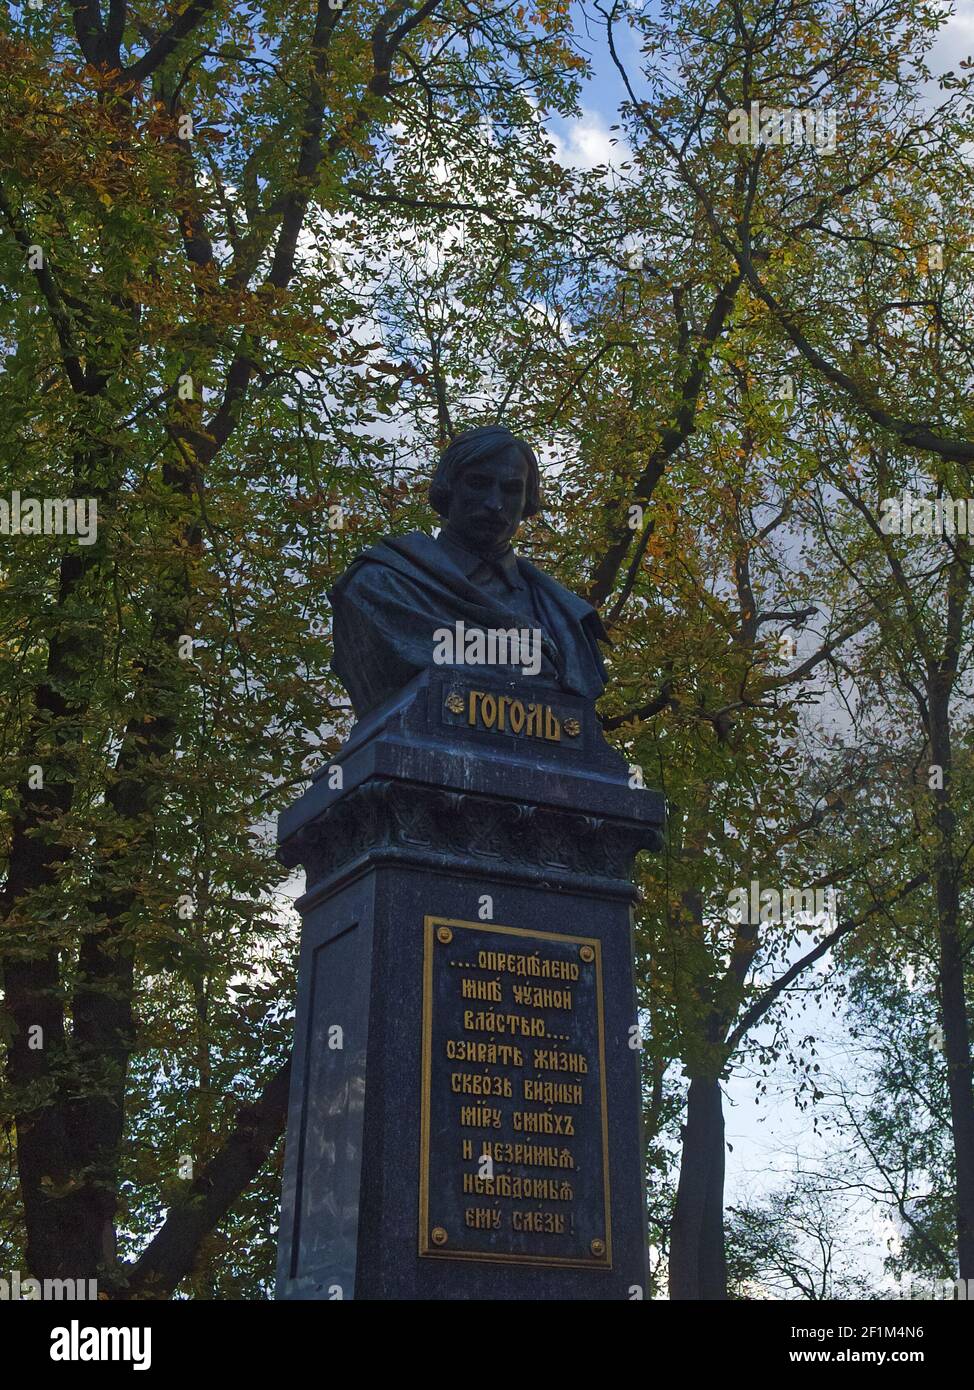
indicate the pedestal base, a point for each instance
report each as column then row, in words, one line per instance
column 465, row 1108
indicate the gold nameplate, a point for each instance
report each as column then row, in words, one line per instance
column 514, row 1145
column 507, row 714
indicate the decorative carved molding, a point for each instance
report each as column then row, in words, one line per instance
column 486, row 830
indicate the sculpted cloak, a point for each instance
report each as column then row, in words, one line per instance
column 392, row 599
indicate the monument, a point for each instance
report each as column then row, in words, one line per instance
column 465, row 1118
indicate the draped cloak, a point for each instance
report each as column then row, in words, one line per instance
column 393, row 598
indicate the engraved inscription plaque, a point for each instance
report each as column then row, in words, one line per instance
column 514, row 1137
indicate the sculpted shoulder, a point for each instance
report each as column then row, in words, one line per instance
column 398, row 553
column 368, row 571
column 580, row 608
column 417, row 551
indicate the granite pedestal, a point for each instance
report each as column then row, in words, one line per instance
column 464, row 1119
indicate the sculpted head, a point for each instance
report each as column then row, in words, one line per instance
column 486, row 483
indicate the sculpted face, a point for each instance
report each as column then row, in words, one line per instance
column 487, row 501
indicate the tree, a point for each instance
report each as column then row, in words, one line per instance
column 183, row 346
column 780, row 227
column 796, row 1244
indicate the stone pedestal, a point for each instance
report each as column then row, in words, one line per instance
column 464, row 1119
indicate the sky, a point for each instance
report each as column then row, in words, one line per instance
column 762, row 1138
column 586, row 142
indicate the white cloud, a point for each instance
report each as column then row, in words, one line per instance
column 956, row 38
column 586, row 142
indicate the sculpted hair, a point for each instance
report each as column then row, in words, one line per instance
column 470, row 447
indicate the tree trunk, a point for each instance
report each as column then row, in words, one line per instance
column 950, row 970
column 698, row 1265
column 173, row 1251
column 38, row 1053
column 960, row 1087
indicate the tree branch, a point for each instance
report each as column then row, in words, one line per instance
column 762, row 1004
column 172, row 1252
column 167, row 42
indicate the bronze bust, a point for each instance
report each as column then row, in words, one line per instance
column 395, row 602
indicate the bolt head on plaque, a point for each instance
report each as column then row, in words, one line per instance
column 598, row 1248
column 587, row 954
column 444, row 935
column 438, row 1235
